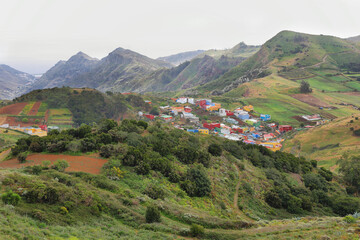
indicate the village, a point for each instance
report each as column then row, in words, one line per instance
column 202, row 116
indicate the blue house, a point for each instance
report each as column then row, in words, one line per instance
column 193, row 130
column 265, row 117
column 255, row 135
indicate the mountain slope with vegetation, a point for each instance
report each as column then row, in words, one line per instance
column 112, row 72
column 187, row 75
column 87, row 105
column 13, row 83
column 161, row 182
column 177, row 59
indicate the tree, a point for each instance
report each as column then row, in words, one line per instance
column 305, row 87
column 152, row 214
column 22, row 157
column 154, row 111
column 350, row 168
column 196, row 230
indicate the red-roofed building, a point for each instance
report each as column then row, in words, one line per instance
column 285, row 128
column 149, row 116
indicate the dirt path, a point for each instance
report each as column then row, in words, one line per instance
column 236, row 196
column 318, row 64
column 4, row 154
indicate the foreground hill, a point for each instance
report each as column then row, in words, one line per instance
column 164, row 183
column 84, row 105
column 13, row 83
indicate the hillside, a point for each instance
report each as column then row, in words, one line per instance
column 177, row 59
column 112, row 72
column 231, row 189
column 327, row 144
column 293, row 55
column 13, row 83
column 187, row 75
column 354, row 39
column 239, row 50
column 76, row 106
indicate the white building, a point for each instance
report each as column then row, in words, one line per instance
column 181, row 100
column 191, row 100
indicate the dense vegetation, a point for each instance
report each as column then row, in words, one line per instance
column 86, row 105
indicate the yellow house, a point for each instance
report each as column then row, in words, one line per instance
column 216, row 107
column 248, row 108
column 273, row 146
column 203, row 130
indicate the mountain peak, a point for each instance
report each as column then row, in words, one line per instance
column 81, row 56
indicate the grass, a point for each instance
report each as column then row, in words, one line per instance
column 7, row 139
column 353, row 85
column 327, row 143
column 59, row 111
column 327, row 85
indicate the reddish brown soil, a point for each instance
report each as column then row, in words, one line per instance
column 311, row 100
column 34, row 110
column 13, row 122
column 13, row 109
column 77, row 163
column 352, row 93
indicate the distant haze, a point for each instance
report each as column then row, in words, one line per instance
column 35, row 34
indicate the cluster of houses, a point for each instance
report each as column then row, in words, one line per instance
column 240, row 124
column 40, row 131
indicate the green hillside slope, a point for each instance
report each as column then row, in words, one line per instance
column 230, row 189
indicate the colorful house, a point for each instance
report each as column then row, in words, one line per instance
column 181, row 100
column 193, row 130
column 166, row 117
column 211, row 126
column 285, row 128
column 265, row 117
column 248, row 108
column 203, row 130
column 149, row 116
column 148, row 102
column 187, row 109
column 213, row 107
column 243, row 116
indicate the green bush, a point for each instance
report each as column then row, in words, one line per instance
column 152, row 214
column 60, row 165
column 346, row 205
column 155, row 191
column 349, row 219
column 196, row 183
column 294, row 204
column 10, row 198
column 196, row 230
column 215, row 149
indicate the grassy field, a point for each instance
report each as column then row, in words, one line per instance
column 61, row 117
column 327, row 143
column 9, row 137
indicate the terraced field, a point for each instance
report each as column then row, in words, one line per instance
column 60, row 117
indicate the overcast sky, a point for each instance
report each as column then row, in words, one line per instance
column 35, row 34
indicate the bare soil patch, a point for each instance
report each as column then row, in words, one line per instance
column 34, row 110
column 13, row 109
column 309, row 99
column 89, row 164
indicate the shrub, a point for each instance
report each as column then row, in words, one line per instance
column 215, row 149
column 294, row 204
column 349, row 219
column 143, row 168
column 326, row 174
column 22, row 157
column 25, row 120
column 313, row 163
column 152, row 214
column 10, row 198
column 37, row 169
column 346, row 205
column 61, row 165
column 155, row 191
column 63, row 210
column 196, row 230
column 197, row 183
